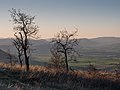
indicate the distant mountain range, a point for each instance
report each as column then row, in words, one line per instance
column 101, row 46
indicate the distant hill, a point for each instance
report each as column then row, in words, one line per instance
column 107, row 40
column 5, row 41
column 100, row 41
column 5, row 56
column 101, row 46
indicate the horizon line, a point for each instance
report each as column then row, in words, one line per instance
column 78, row 37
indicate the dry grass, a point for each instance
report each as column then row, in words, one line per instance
column 86, row 74
column 54, row 78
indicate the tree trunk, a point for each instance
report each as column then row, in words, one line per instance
column 66, row 62
column 20, row 63
column 20, row 60
column 26, row 60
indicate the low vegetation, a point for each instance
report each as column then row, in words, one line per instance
column 46, row 78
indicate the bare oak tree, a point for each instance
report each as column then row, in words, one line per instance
column 64, row 43
column 25, row 29
column 19, row 49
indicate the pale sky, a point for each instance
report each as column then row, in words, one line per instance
column 93, row 18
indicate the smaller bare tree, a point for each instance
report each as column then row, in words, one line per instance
column 10, row 57
column 18, row 46
column 64, row 44
column 57, row 60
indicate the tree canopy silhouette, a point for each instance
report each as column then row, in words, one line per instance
column 25, row 29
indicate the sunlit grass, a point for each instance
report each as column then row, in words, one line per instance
column 37, row 68
column 40, row 77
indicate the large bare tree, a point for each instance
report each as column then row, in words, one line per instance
column 64, row 43
column 25, row 29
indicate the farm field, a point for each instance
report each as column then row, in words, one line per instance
column 108, row 64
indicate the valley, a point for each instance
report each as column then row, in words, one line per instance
column 102, row 52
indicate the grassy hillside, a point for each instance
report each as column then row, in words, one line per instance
column 46, row 78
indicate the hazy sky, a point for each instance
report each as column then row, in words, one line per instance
column 93, row 18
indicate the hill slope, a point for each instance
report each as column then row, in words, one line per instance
column 5, row 57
